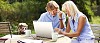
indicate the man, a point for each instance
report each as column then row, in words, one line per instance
column 53, row 15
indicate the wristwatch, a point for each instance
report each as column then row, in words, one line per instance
column 60, row 19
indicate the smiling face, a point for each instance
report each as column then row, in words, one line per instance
column 66, row 9
column 70, row 8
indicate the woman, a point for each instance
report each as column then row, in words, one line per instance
column 78, row 23
column 53, row 15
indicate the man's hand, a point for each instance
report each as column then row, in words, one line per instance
column 60, row 14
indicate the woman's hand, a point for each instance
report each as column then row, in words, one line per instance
column 58, row 30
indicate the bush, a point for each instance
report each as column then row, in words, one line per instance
column 95, row 20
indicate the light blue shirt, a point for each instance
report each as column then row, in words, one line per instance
column 47, row 17
column 86, row 31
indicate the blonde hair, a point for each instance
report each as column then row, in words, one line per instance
column 51, row 5
column 72, row 7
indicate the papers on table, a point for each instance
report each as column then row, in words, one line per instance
column 64, row 39
column 31, row 41
column 60, row 35
column 13, row 36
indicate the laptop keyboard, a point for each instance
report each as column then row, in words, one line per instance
column 42, row 38
column 39, row 38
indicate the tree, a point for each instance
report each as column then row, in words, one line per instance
column 17, row 11
column 83, row 5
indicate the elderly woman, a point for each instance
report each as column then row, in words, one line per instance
column 78, row 23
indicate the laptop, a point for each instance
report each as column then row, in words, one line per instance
column 43, row 29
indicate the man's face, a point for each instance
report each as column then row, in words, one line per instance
column 54, row 12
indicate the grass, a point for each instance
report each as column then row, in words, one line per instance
column 1, row 35
column 33, row 32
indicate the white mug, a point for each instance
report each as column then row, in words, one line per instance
column 54, row 36
column 27, row 32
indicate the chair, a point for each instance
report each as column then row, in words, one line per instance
column 5, row 28
column 96, row 30
column 2, row 40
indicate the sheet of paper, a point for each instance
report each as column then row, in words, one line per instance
column 31, row 41
column 64, row 40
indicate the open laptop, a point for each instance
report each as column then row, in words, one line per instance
column 43, row 29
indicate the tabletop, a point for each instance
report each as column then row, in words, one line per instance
column 15, row 38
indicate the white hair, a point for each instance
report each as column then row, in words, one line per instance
column 73, row 10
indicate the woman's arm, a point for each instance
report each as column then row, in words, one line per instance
column 81, row 22
column 68, row 27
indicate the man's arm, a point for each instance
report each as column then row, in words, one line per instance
column 62, row 20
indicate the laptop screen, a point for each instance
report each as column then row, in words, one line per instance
column 43, row 29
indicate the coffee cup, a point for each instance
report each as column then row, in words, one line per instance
column 27, row 32
column 54, row 36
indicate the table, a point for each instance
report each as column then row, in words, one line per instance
column 15, row 38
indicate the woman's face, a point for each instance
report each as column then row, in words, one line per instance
column 67, row 11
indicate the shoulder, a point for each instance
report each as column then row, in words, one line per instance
column 44, row 14
column 82, row 18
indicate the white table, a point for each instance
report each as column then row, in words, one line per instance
column 15, row 38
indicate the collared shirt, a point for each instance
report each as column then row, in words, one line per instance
column 86, row 32
column 47, row 17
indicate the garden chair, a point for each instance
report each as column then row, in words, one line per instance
column 96, row 30
column 5, row 28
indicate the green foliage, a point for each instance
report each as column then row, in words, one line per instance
column 1, row 35
column 85, row 7
column 95, row 20
column 17, row 11
column 5, row 10
column 88, row 8
column 26, row 11
column 33, row 32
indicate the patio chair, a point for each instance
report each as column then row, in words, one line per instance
column 5, row 28
column 96, row 30
column 2, row 40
